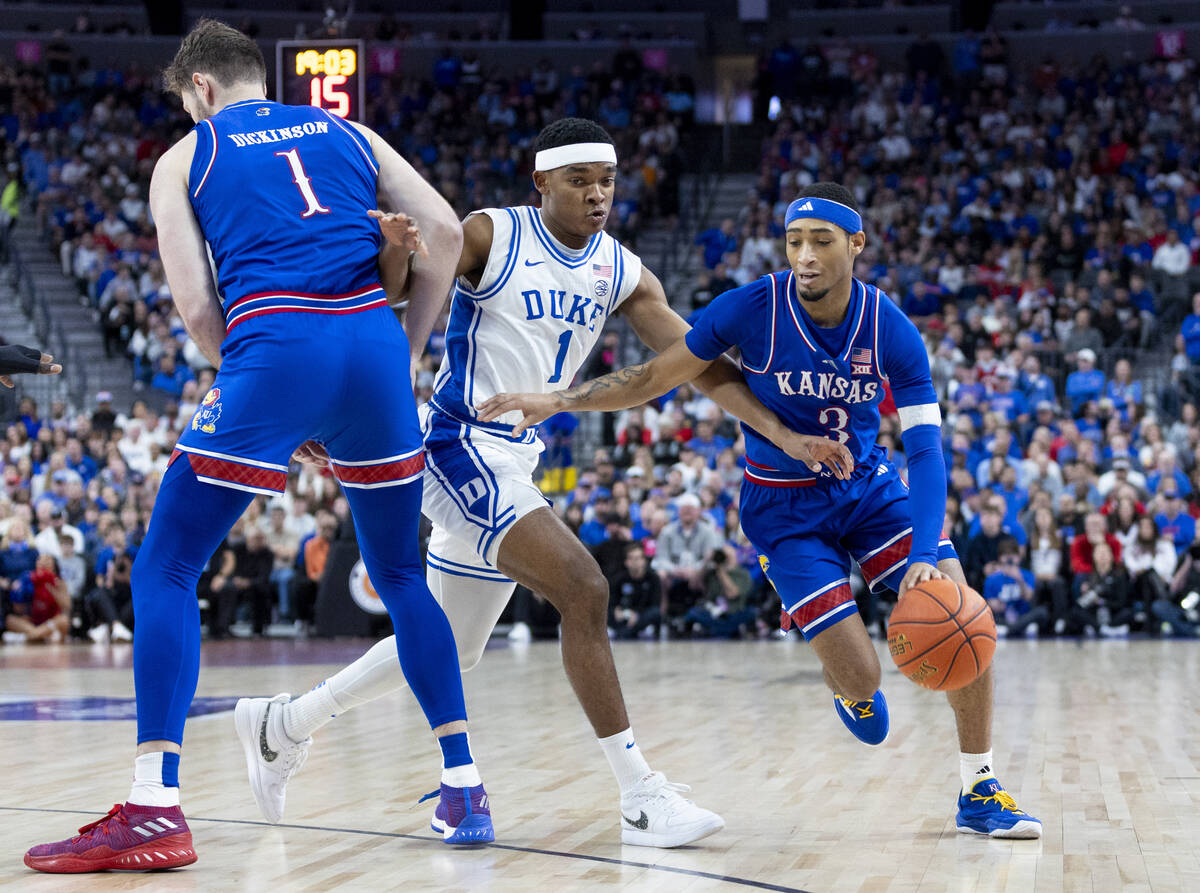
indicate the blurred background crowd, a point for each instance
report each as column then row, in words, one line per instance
column 1039, row 225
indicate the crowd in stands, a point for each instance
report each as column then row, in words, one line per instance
column 1038, row 227
column 86, row 142
column 1043, row 230
column 76, row 495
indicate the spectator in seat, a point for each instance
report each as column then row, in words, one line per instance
column 1174, row 523
column 1095, row 532
column 635, row 595
column 680, row 553
column 315, row 553
column 1010, row 589
column 40, row 608
column 725, row 611
column 1086, row 383
column 1149, row 560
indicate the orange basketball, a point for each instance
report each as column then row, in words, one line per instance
column 942, row 635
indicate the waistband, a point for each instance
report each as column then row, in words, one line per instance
column 502, row 431
column 772, row 477
column 266, row 303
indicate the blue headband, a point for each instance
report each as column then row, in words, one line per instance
column 825, row 209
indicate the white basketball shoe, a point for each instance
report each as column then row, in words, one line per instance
column 653, row 814
column 271, row 756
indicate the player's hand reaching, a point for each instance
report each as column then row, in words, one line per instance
column 402, row 231
column 536, row 408
column 816, row 452
column 15, row 358
column 919, row 572
column 311, row 453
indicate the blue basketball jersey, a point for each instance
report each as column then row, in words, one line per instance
column 831, row 391
column 282, row 193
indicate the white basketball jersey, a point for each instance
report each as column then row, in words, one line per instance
column 533, row 318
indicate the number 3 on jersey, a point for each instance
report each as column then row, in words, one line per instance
column 837, row 419
column 303, row 183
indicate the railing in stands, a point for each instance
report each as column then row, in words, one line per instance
column 72, row 385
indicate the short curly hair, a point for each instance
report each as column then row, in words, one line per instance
column 568, row 132
column 216, row 49
column 835, row 192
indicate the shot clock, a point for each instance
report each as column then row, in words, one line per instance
column 322, row 73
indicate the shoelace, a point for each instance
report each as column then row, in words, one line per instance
column 102, row 825
column 864, row 712
column 293, row 759
column 667, row 792
column 430, row 795
column 1001, row 798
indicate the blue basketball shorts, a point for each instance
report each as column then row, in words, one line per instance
column 806, row 533
column 287, row 378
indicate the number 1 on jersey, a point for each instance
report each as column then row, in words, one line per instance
column 564, row 342
column 303, row 183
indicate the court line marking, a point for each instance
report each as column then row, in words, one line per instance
column 690, row 872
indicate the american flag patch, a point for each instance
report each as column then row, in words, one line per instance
column 860, row 355
column 604, row 271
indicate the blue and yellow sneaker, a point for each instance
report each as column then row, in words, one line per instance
column 989, row 809
column 868, row 720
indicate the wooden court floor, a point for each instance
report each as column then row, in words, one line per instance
column 1101, row 740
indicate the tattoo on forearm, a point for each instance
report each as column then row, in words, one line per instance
column 622, row 378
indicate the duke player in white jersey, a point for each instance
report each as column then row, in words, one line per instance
column 534, row 289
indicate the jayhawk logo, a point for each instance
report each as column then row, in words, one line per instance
column 209, row 412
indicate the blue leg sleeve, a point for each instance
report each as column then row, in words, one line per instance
column 386, row 520
column 189, row 521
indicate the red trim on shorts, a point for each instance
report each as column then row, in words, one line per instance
column 810, row 611
column 236, row 473
column 366, row 289
column 766, row 482
column 880, row 562
column 376, row 474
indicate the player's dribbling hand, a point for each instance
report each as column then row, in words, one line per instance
column 311, row 453
column 536, row 408
column 919, row 572
column 818, row 451
column 401, row 230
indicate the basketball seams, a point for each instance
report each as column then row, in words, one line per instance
column 958, row 626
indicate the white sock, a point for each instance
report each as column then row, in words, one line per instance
column 625, row 758
column 974, row 766
column 309, row 712
column 148, row 789
column 461, row 776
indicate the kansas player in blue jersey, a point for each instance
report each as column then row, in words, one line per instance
column 817, row 346
column 307, row 348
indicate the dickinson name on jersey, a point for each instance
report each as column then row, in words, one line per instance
column 278, row 134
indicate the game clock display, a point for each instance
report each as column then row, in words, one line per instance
column 323, row 73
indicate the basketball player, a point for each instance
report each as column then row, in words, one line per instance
column 306, row 347
column 533, row 292
column 817, row 346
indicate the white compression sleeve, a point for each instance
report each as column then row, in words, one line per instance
column 472, row 607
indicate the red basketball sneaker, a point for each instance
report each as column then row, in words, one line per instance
column 129, row 838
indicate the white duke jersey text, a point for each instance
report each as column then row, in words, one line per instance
column 533, row 318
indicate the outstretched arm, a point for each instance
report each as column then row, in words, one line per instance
column 631, row 386
column 658, row 326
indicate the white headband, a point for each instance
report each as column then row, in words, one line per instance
column 576, row 153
